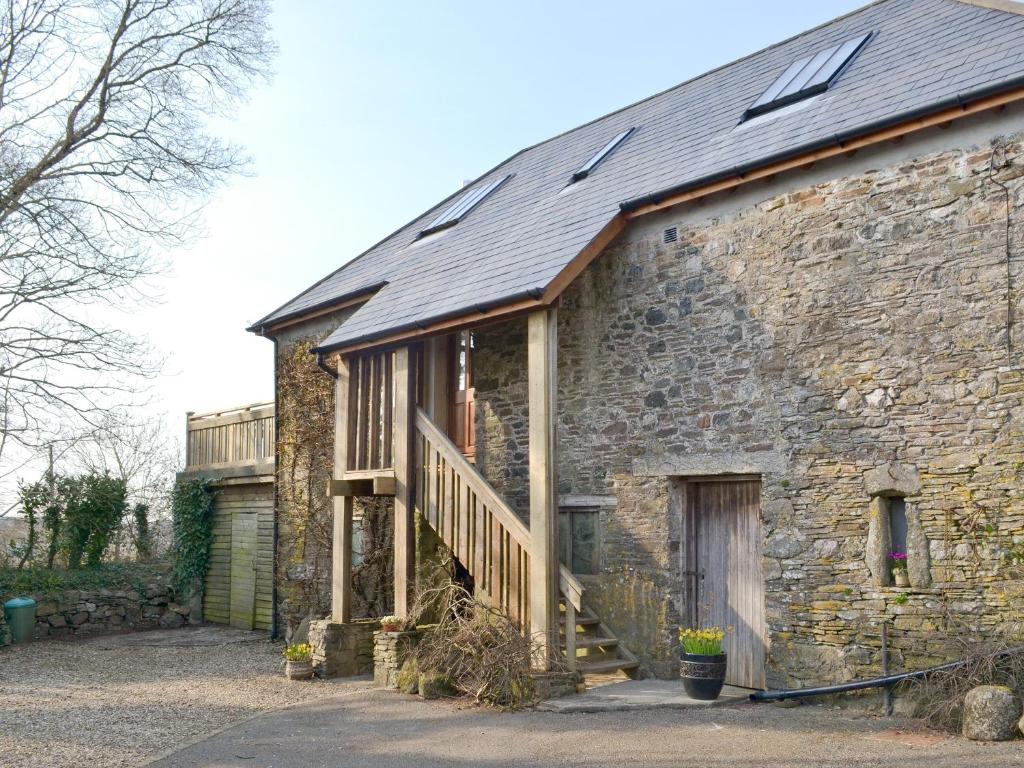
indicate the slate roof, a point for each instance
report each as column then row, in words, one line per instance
column 924, row 54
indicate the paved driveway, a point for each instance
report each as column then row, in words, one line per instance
column 377, row 728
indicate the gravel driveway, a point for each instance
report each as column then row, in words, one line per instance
column 119, row 700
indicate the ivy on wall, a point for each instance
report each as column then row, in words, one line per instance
column 305, row 444
column 192, row 518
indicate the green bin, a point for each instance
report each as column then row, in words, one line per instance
column 20, row 613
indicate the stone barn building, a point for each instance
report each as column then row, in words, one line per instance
column 711, row 360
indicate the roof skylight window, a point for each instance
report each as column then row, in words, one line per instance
column 807, row 77
column 458, row 210
column 602, row 153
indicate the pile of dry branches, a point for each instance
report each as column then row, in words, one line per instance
column 990, row 659
column 478, row 648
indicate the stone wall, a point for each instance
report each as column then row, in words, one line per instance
column 342, row 650
column 390, row 652
column 810, row 334
column 305, row 514
column 502, row 403
column 101, row 611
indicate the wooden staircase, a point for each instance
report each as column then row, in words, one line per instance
column 493, row 544
column 598, row 651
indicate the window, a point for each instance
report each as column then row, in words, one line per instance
column 458, row 210
column 602, row 153
column 898, row 524
column 807, row 77
column 579, row 539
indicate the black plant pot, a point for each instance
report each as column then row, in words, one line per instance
column 703, row 676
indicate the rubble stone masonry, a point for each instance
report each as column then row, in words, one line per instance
column 858, row 326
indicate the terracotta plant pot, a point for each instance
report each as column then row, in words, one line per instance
column 703, row 676
column 298, row 670
column 901, row 578
column 390, row 627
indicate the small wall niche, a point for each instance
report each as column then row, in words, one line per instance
column 894, row 524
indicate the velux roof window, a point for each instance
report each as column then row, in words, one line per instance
column 458, row 210
column 602, row 153
column 807, row 77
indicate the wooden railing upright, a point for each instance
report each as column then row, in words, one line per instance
column 487, row 536
column 371, row 412
column 235, row 437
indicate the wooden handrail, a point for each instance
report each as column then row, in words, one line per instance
column 512, row 522
column 570, row 586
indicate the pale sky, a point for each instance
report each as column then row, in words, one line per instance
column 379, row 110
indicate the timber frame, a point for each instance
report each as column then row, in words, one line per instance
column 400, row 398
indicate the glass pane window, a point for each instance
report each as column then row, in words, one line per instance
column 579, row 540
column 898, row 524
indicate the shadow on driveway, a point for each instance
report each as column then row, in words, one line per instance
column 379, row 728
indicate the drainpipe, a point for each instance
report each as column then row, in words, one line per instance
column 332, row 372
column 274, row 629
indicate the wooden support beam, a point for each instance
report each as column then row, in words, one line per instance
column 405, row 476
column 382, row 484
column 341, row 551
column 350, row 487
column 542, row 368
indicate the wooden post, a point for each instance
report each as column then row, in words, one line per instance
column 542, row 366
column 341, row 553
column 570, row 635
column 405, row 476
column 436, row 358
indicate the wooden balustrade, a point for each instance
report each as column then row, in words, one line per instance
column 489, row 539
column 371, row 412
column 234, row 438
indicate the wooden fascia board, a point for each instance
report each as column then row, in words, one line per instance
column 475, row 319
column 274, row 328
column 580, row 262
column 893, row 133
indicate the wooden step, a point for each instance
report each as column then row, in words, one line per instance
column 611, row 665
column 586, row 622
column 596, row 642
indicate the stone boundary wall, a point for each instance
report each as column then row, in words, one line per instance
column 79, row 612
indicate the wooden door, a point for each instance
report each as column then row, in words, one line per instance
column 244, row 534
column 462, row 408
column 726, row 586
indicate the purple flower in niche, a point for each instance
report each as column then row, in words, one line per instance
column 898, row 556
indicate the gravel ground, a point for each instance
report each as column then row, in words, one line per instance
column 119, row 700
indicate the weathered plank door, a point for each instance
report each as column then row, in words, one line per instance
column 724, row 532
column 244, row 530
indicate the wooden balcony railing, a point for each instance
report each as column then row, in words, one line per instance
column 236, row 442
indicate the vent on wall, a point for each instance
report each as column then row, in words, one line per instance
column 670, row 235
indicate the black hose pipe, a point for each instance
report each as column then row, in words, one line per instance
column 875, row 682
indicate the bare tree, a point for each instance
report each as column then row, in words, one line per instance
column 104, row 159
column 143, row 454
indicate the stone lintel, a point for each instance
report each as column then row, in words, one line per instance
column 892, row 479
column 708, row 464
